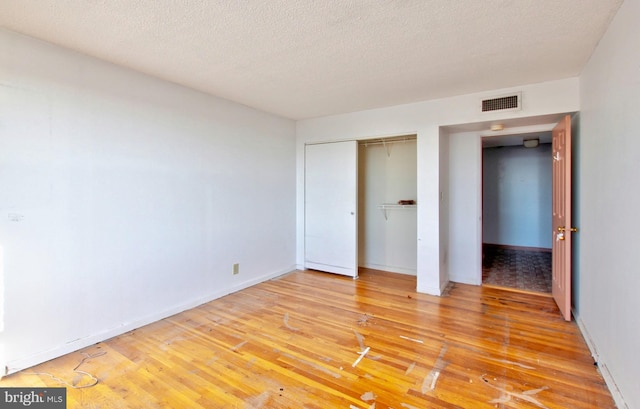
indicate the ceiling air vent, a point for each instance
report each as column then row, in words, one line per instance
column 509, row 102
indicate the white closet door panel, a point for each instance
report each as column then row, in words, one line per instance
column 331, row 192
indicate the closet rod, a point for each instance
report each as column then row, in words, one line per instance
column 383, row 142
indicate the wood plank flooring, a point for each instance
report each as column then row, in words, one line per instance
column 292, row 342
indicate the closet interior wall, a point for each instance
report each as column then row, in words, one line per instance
column 387, row 173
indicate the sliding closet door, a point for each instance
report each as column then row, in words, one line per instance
column 331, row 194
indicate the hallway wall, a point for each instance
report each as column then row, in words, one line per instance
column 607, row 301
column 517, row 196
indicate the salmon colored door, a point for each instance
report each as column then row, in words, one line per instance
column 561, row 208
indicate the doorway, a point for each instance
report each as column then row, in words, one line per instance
column 461, row 196
column 517, row 214
column 387, row 204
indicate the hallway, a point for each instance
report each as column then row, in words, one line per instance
column 520, row 269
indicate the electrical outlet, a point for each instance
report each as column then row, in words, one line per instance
column 236, row 268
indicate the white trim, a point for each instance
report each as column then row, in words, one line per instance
column 444, row 286
column 331, row 269
column 602, row 366
column 77, row 344
column 391, row 269
column 430, row 291
column 437, row 291
column 466, row 280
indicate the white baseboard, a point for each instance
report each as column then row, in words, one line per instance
column 443, row 287
column 466, row 280
column 77, row 344
column 391, row 269
column 432, row 290
column 602, row 365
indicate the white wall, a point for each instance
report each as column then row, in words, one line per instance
column 465, row 208
column 517, row 196
column 444, row 209
column 608, row 304
column 425, row 120
column 133, row 197
column 387, row 244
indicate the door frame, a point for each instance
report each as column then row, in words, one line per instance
column 482, row 186
column 542, row 123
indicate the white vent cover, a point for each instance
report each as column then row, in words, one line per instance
column 511, row 102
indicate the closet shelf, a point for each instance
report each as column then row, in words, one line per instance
column 385, row 207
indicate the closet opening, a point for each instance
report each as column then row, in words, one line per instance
column 387, row 204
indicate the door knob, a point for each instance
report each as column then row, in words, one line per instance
column 562, row 228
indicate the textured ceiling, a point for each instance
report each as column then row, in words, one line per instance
column 306, row 58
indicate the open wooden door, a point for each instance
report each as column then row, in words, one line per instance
column 561, row 208
column 331, row 204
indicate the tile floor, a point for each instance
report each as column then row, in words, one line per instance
column 519, row 269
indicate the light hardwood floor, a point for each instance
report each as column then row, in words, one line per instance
column 292, row 342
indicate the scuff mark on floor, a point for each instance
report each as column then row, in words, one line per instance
column 367, row 396
column 410, row 368
column 486, row 355
column 286, row 323
column 360, row 339
column 419, row 341
column 240, row 345
column 80, row 375
column 506, row 395
column 365, row 319
column 313, row 365
column 362, row 355
column 505, row 361
column 431, row 379
column 373, row 406
column 260, row 400
column 251, row 362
